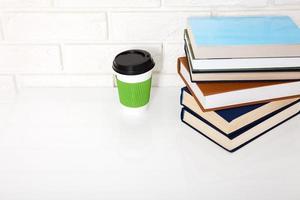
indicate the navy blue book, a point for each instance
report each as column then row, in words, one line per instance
column 228, row 128
column 230, row 121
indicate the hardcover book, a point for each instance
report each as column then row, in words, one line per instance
column 244, row 37
column 214, row 75
column 237, row 64
column 219, row 95
column 244, row 135
column 230, row 121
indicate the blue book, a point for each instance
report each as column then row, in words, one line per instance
column 235, row 127
column 268, row 43
column 255, row 30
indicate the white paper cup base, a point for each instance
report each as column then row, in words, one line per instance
column 134, row 111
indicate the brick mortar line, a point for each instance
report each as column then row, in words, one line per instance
column 142, row 11
column 108, row 25
column 177, row 10
column 74, row 74
column 16, row 84
column 2, row 30
column 93, row 10
column 61, row 57
column 149, row 10
column 85, row 43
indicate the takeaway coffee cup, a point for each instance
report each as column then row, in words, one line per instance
column 133, row 71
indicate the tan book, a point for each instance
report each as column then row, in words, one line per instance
column 217, row 95
column 215, row 73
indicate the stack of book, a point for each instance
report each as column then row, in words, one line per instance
column 242, row 76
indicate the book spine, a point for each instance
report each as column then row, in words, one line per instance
column 181, row 96
column 182, row 114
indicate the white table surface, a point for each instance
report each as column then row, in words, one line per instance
column 77, row 144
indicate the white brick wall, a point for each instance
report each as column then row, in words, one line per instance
column 107, row 3
column 149, row 26
column 287, row 2
column 93, row 58
column 71, row 43
column 52, row 26
column 24, row 3
column 7, row 88
column 20, row 58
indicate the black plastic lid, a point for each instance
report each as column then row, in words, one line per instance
column 133, row 62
